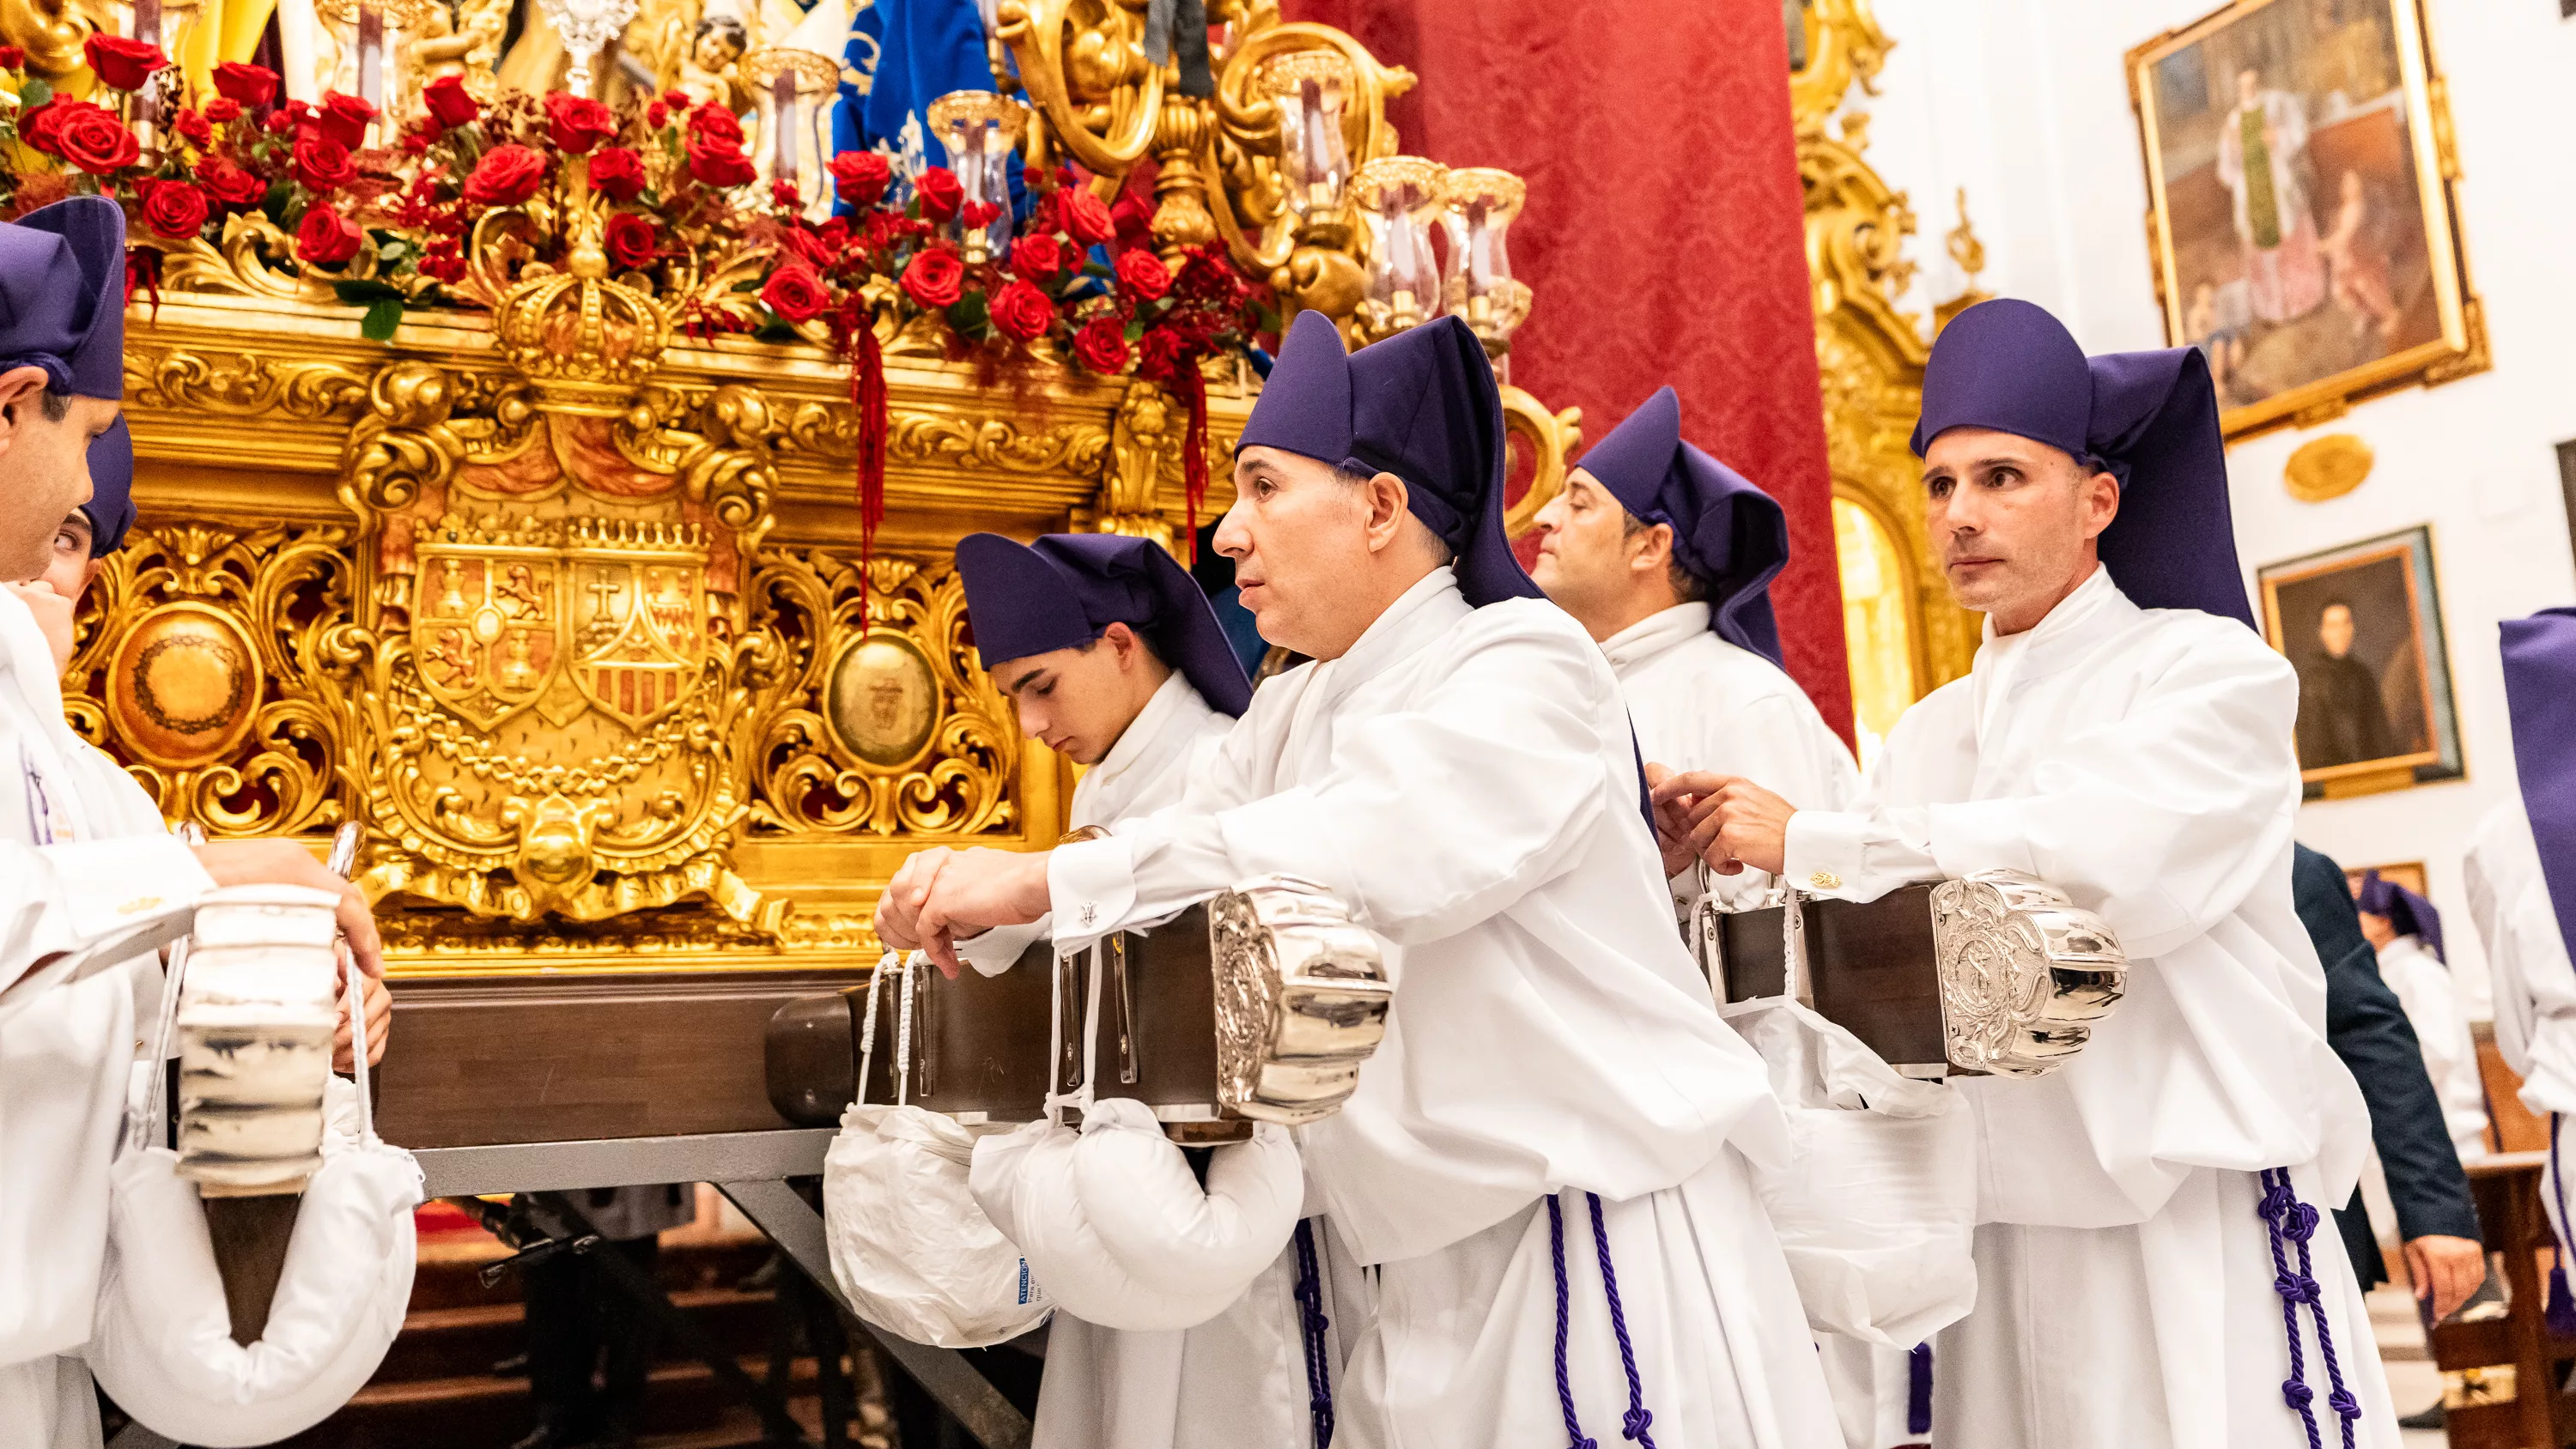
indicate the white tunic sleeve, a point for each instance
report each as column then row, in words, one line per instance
column 2161, row 819
column 67, row 908
column 1426, row 820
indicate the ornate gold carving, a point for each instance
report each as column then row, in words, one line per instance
column 249, row 385
column 2327, row 467
column 1552, row 440
column 1083, row 64
column 810, row 742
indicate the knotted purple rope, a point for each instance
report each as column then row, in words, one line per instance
column 1564, row 1386
column 1312, row 1323
column 2291, row 1223
column 1633, row 1424
column 1918, row 1389
column 2560, row 1314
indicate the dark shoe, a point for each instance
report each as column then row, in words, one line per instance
column 554, row 1433
column 513, row 1367
column 2431, row 1418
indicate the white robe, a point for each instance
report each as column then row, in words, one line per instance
column 2535, row 984
column 2141, row 761
column 1465, row 780
column 2431, row 996
column 84, row 863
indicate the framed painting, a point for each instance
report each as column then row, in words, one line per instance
column 2301, row 218
column 2408, row 873
column 2362, row 624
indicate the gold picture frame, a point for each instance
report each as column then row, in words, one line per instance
column 2363, row 625
column 2331, row 268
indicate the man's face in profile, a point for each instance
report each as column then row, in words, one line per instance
column 2334, row 630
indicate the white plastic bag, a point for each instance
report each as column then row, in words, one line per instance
column 909, row 1246
column 163, row 1346
column 1875, row 1205
column 1026, row 1181
column 1150, row 1213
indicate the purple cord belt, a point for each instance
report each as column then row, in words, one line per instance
column 2291, row 1223
column 1633, row 1424
column 1311, row 1324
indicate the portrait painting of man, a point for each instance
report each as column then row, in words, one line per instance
column 2362, row 626
column 2304, row 238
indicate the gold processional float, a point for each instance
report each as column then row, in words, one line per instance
column 496, row 458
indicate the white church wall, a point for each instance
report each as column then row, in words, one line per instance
column 2026, row 103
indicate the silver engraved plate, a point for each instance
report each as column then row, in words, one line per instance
column 1301, row 999
column 2024, row 972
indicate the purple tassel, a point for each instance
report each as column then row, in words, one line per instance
column 1918, row 1389
column 2560, row 1315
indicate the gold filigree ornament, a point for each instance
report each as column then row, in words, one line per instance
column 585, row 341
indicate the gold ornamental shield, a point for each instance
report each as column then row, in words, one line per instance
column 639, row 614
column 488, row 634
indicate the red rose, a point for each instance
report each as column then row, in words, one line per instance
column 449, row 102
column 344, row 119
column 715, row 125
column 632, row 241
column 577, row 123
column 322, row 164
column 782, row 194
column 656, row 116
column 37, row 126
column 194, row 126
column 676, row 100
column 720, row 164
column 92, row 138
column 443, row 263
column 940, row 191
column 1020, row 310
column 795, row 293
column 861, row 177
column 231, row 187
column 506, row 176
column 122, row 64
column 1143, row 275
column 12, row 58
column 617, row 174
column 1037, row 257
column 249, row 85
column 980, row 214
column 1158, row 356
column 935, row 277
column 223, row 110
column 175, row 209
column 1085, row 216
column 326, row 237
column 1101, row 345
column 279, row 122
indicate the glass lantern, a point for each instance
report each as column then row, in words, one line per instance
column 981, row 132
column 1479, row 288
column 792, row 139
column 1311, row 89
column 1402, row 197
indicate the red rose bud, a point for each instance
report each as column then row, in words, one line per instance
column 344, row 119
column 1032, row 178
column 506, row 176
column 449, row 102
column 91, row 137
column 322, row 164
column 1101, row 345
column 194, row 126
column 577, row 123
column 617, row 173
column 249, row 85
column 940, row 191
column 174, row 209
column 1143, row 275
column 12, row 58
column 656, row 116
column 860, row 177
column 279, row 123
column 122, row 64
column 796, row 294
column 223, row 110
column 231, row 187
column 676, row 100
column 720, row 164
column 715, row 125
column 449, row 268
column 1022, row 311
column 1037, row 258
column 326, row 237
column 935, row 277
column 1084, row 216
column 980, row 214
column 1158, row 355
column 632, row 242
column 782, row 194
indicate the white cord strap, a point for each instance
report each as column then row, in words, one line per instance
column 868, row 1026
column 912, row 963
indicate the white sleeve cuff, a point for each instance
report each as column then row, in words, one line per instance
column 111, row 887
column 1091, row 886
column 1823, row 853
column 1000, row 948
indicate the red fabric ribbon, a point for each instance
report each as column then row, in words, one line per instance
column 868, row 402
column 143, row 269
column 1194, row 449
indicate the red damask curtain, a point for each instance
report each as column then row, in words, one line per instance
column 1664, row 234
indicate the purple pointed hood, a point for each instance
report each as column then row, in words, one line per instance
column 1063, row 590
column 62, row 295
column 2540, row 697
column 1728, row 534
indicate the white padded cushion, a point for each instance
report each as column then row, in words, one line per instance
column 1025, row 1181
column 163, row 1345
column 909, row 1245
column 1151, row 1214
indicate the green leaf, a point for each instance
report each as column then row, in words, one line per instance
column 33, row 93
column 365, row 289
column 774, row 330
column 1135, row 329
column 391, row 248
column 382, row 319
column 971, row 316
column 279, row 193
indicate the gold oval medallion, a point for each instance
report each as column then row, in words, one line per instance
column 184, row 686
column 881, row 699
column 2327, row 467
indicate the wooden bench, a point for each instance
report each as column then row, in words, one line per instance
column 2523, row 1364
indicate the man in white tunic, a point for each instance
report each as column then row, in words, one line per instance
column 2126, row 736
column 2521, row 871
column 1456, row 767
column 1113, row 658
column 77, row 904
column 2406, row 932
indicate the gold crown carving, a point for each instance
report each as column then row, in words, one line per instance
column 493, row 530
column 585, row 341
column 638, row 536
